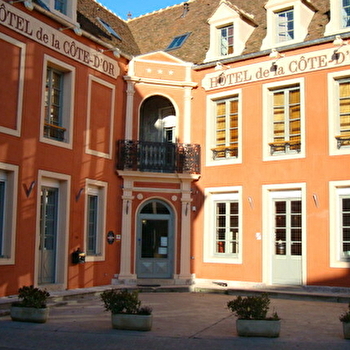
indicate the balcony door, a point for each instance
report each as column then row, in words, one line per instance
column 157, row 133
column 155, row 241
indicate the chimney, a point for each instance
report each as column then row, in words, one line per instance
column 186, row 9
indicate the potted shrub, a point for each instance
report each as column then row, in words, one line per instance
column 345, row 319
column 252, row 316
column 126, row 310
column 31, row 305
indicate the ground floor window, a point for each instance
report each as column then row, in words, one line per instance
column 339, row 212
column 223, row 238
column 8, row 205
column 95, row 220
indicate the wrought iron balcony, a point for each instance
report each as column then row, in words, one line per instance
column 159, row 157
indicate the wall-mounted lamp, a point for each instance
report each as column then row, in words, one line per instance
column 116, row 51
column 251, row 203
column 77, row 30
column 127, row 207
column 275, row 54
column 27, row 3
column 220, row 66
column 339, row 42
column 30, row 188
column 79, row 194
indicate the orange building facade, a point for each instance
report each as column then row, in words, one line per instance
column 160, row 166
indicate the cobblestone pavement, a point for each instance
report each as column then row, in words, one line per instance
column 181, row 321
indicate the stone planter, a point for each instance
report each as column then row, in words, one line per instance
column 258, row 328
column 132, row 322
column 346, row 330
column 29, row 314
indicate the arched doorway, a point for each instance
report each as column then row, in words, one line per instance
column 155, row 240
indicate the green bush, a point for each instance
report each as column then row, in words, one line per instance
column 32, row 297
column 122, row 301
column 252, row 307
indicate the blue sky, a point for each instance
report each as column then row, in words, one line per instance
column 137, row 7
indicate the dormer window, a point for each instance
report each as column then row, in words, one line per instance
column 61, row 6
column 285, row 25
column 226, row 40
column 64, row 8
column 230, row 28
column 109, row 29
column 340, row 17
column 287, row 22
column 346, row 13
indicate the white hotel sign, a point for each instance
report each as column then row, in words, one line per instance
column 283, row 67
column 54, row 39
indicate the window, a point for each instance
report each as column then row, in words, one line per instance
column 227, row 215
column 64, row 8
column 58, row 97
column 8, row 205
column 343, row 137
column 339, row 112
column 2, row 215
column 92, row 225
column 53, row 105
column 286, row 120
column 61, row 6
column 346, row 13
column 178, row 42
column 109, row 29
column 288, row 226
column 345, row 227
column 339, row 223
column 229, row 30
column 223, row 225
column 282, row 17
column 95, row 220
column 285, row 25
column 226, row 129
column 226, row 40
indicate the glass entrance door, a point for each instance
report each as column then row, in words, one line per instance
column 155, row 242
column 287, row 257
column 48, row 235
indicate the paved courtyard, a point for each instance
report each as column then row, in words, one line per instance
column 181, row 320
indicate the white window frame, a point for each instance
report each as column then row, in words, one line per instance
column 333, row 112
column 67, row 101
column 99, row 189
column 70, row 16
column 279, row 36
column 213, row 195
column 335, row 25
column 269, row 194
column 302, row 17
column 223, row 17
column 9, row 174
column 268, row 119
column 211, row 127
column 337, row 189
column 20, row 76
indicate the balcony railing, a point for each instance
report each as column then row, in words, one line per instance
column 160, row 157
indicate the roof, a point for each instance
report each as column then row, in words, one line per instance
column 154, row 31
column 87, row 15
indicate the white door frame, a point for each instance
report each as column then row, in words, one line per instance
column 268, row 193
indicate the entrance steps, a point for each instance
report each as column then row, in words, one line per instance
column 155, row 284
